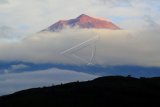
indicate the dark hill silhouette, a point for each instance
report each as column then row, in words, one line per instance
column 102, row 92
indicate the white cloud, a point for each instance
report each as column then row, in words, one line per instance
column 13, row 82
column 118, row 47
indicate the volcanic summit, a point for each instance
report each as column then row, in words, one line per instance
column 83, row 22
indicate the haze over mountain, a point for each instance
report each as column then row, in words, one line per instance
column 84, row 22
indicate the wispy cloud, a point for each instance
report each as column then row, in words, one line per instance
column 6, row 32
column 113, row 3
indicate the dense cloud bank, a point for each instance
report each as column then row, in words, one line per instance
column 118, row 47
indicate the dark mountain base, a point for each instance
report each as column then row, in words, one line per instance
column 101, row 92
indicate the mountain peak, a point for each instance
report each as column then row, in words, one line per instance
column 82, row 16
column 83, row 22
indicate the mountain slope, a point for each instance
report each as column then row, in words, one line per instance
column 101, row 92
column 83, row 22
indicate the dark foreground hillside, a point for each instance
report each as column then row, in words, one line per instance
column 101, row 92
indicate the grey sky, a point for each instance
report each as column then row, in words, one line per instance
column 30, row 16
column 3, row 1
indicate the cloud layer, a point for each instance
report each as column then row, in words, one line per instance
column 119, row 47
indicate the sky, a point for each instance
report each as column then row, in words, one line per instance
column 137, row 43
column 26, row 17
